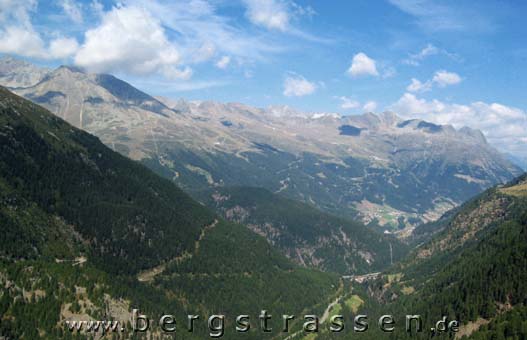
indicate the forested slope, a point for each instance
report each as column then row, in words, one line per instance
column 474, row 271
column 81, row 224
column 304, row 234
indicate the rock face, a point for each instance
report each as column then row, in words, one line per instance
column 378, row 167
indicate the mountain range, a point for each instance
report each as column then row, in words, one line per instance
column 89, row 234
column 378, row 168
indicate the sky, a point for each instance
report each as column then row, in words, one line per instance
column 450, row 62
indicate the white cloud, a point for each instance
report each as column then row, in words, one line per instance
column 362, row 65
column 348, row 103
column 389, row 72
column 415, row 59
column 63, row 47
column 130, row 39
column 278, row 15
column 199, row 28
column 298, row 10
column 22, row 41
column 298, row 86
column 17, row 11
column 410, row 105
column 28, row 43
column 370, row 106
column 504, row 126
column 417, row 86
column 204, row 53
column 270, row 14
column 97, row 8
column 441, row 16
column 444, row 78
column 441, row 78
column 166, row 38
column 173, row 72
column 72, row 10
column 223, row 62
column 19, row 37
column 429, row 50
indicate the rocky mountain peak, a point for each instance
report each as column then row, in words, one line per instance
column 72, row 69
column 66, row 74
column 179, row 105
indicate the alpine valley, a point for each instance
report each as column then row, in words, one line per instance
column 112, row 199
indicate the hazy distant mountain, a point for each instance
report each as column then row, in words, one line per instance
column 18, row 73
column 383, row 169
column 519, row 161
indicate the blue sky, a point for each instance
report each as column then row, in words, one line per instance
column 451, row 62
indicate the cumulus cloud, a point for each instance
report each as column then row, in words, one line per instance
column 223, row 62
column 63, row 47
column 28, row 43
column 362, row 65
column 441, row 78
column 370, row 106
column 130, row 39
column 444, row 78
column 199, row 28
column 166, row 38
column 417, row 86
column 348, row 103
column 17, row 11
column 504, row 126
column 19, row 37
column 278, row 15
column 270, row 14
column 22, row 41
column 298, row 86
